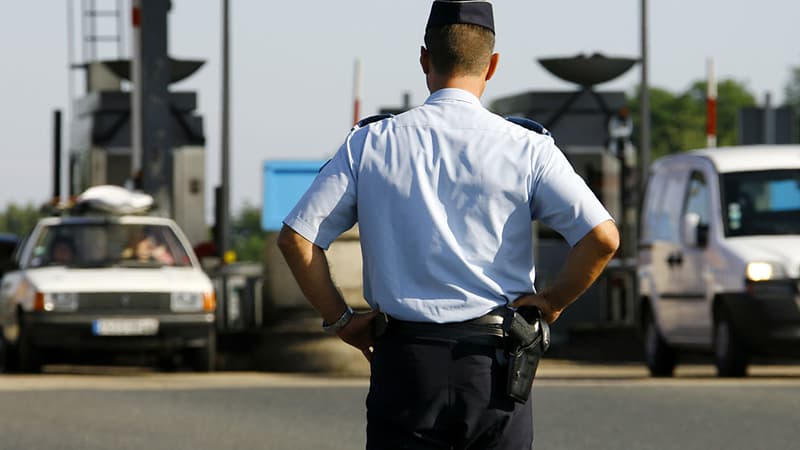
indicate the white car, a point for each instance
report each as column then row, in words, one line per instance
column 106, row 283
column 719, row 257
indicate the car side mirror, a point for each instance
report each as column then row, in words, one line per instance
column 695, row 234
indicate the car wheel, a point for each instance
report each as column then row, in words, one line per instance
column 204, row 359
column 659, row 356
column 28, row 356
column 730, row 356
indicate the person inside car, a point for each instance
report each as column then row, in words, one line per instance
column 62, row 251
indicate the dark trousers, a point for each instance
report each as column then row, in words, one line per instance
column 442, row 394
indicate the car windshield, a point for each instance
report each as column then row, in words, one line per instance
column 761, row 203
column 108, row 245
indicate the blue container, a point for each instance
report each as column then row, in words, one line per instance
column 284, row 183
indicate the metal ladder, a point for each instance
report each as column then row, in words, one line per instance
column 101, row 27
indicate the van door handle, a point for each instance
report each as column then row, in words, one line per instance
column 675, row 259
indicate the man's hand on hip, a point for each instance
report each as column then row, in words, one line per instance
column 358, row 332
column 585, row 262
column 549, row 314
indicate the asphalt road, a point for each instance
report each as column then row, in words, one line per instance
column 575, row 407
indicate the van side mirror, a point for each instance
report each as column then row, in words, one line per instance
column 695, row 234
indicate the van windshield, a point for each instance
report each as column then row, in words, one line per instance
column 761, row 203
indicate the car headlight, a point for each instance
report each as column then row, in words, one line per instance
column 56, row 301
column 763, row 271
column 186, row 301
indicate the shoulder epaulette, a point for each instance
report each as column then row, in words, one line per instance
column 372, row 119
column 530, row 124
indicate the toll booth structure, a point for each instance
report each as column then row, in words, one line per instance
column 101, row 149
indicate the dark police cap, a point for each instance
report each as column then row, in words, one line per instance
column 449, row 12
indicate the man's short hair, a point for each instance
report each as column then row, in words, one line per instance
column 459, row 49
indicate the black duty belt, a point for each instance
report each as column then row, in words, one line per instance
column 487, row 329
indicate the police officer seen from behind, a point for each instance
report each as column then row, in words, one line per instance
column 445, row 195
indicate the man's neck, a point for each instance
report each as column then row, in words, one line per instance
column 472, row 84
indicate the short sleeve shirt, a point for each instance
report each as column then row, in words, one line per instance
column 445, row 195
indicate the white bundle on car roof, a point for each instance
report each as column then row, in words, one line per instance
column 114, row 200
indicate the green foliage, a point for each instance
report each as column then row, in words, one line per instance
column 678, row 121
column 19, row 220
column 247, row 237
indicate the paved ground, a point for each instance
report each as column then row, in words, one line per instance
column 576, row 406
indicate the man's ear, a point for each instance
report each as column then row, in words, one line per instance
column 493, row 61
column 424, row 60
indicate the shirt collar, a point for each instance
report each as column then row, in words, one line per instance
column 451, row 95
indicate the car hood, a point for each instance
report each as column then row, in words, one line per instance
column 162, row 279
column 784, row 250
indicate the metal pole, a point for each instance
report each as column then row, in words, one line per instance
column 56, row 156
column 92, row 31
column 644, row 102
column 769, row 120
column 136, row 94
column 70, row 80
column 153, row 89
column 84, row 45
column 120, row 31
column 224, row 225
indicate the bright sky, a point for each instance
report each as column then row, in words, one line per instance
column 292, row 66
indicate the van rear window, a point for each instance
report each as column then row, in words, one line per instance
column 761, row 203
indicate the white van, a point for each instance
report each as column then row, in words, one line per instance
column 719, row 256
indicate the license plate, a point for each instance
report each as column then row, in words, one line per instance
column 125, row 327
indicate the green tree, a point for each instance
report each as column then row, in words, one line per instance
column 19, row 219
column 247, row 237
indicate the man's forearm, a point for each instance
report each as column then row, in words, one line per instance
column 584, row 264
column 310, row 268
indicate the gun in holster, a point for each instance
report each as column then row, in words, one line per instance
column 528, row 337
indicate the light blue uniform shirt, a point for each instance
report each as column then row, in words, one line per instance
column 445, row 195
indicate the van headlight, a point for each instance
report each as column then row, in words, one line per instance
column 186, row 301
column 763, row 271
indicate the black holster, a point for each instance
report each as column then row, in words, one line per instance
column 526, row 342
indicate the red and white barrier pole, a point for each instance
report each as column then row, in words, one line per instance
column 711, row 105
column 356, row 91
column 136, row 89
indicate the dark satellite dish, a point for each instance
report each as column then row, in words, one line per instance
column 179, row 69
column 587, row 70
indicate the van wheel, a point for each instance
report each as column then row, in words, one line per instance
column 659, row 356
column 730, row 356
